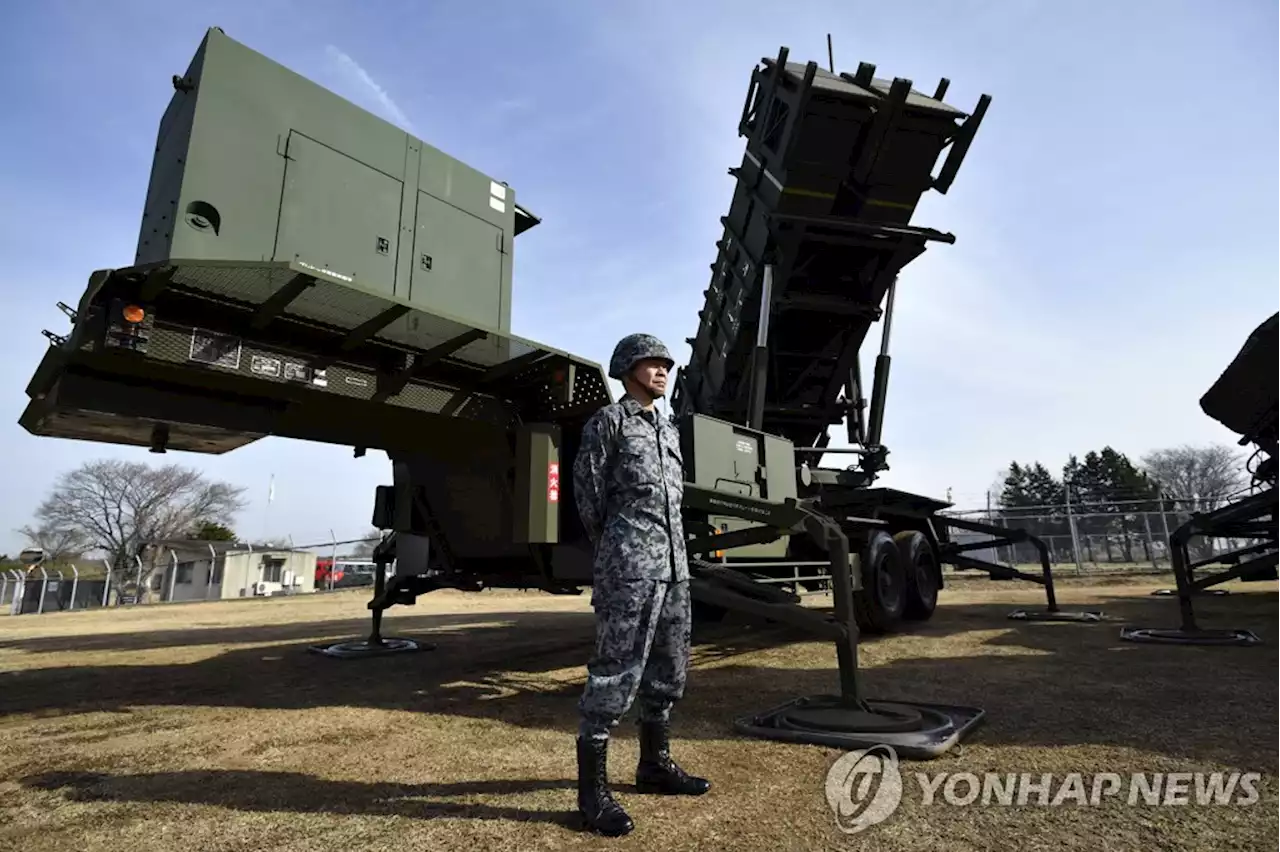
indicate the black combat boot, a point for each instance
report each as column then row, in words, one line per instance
column 595, row 802
column 657, row 772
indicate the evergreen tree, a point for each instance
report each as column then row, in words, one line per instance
column 1107, row 494
column 1126, row 482
column 211, row 531
column 1103, row 489
column 1014, row 495
column 1042, row 489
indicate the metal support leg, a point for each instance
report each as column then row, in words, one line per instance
column 916, row 731
column 376, row 645
column 1255, row 507
column 842, row 592
column 954, row 555
column 379, row 587
column 1051, row 612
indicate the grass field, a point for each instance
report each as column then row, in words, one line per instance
column 207, row 727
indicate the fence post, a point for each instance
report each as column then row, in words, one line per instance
column 1071, row 525
column 75, row 585
column 1164, row 520
column 44, row 588
column 106, row 589
column 173, row 572
column 1151, row 544
column 333, row 559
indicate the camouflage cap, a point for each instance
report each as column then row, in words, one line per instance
column 635, row 348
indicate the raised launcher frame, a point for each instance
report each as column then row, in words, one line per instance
column 817, row 233
column 1244, row 399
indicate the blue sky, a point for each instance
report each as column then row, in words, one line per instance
column 1116, row 218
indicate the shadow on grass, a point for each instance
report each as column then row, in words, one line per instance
column 1062, row 685
column 250, row 790
column 312, row 632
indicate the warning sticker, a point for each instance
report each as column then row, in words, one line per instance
column 553, row 482
column 220, row 350
column 264, row 366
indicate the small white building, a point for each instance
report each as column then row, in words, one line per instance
column 221, row 570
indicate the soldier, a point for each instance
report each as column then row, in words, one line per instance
column 628, row 484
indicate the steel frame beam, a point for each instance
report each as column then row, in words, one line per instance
column 1242, row 516
column 953, row 553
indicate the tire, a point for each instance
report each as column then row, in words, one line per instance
column 920, row 562
column 879, row 605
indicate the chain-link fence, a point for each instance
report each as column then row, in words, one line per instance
column 1111, row 538
column 180, row 572
column 36, row 590
column 351, row 567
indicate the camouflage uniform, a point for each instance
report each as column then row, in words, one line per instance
column 628, row 481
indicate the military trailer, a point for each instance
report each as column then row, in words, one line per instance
column 1244, row 400
column 817, row 233
column 305, row 269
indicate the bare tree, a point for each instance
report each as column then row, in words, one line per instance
column 996, row 488
column 364, row 549
column 120, row 507
column 1210, row 475
column 60, row 544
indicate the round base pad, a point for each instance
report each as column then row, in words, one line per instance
column 365, row 648
column 1167, row 593
column 915, row 731
column 1178, row 636
column 884, row 719
column 1084, row 616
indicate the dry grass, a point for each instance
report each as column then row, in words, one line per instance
column 207, row 727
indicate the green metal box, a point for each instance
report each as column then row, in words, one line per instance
column 734, row 459
column 536, row 513
column 256, row 163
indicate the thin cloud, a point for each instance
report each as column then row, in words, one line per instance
column 513, row 105
column 354, row 69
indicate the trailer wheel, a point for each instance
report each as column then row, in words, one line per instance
column 923, row 570
column 879, row 605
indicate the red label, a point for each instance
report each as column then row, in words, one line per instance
column 553, row 482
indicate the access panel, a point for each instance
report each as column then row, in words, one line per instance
column 339, row 214
column 733, row 459
column 457, row 263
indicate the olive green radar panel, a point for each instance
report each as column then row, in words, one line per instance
column 304, row 269
column 254, row 162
